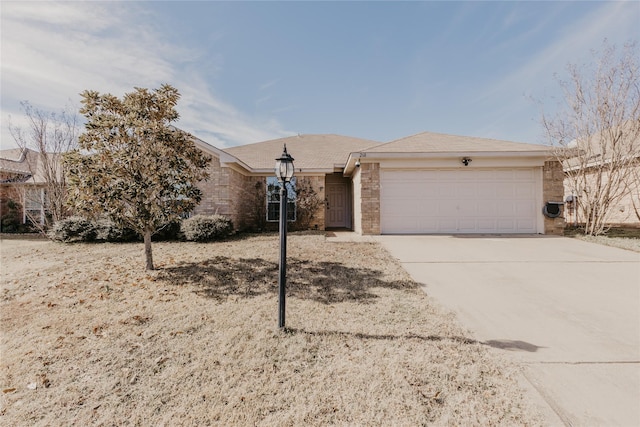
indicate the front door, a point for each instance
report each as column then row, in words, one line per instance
column 336, row 205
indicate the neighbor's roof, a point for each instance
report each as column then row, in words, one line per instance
column 626, row 135
column 13, row 160
column 428, row 142
column 24, row 163
column 309, row 151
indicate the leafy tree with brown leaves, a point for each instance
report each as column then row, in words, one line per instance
column 133, row 165
column 598, row 132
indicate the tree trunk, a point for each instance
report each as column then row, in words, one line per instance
column 147, row 250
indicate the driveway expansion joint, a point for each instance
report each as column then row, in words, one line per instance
column 521, row 262
column 612, row 362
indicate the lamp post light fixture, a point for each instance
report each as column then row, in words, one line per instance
column 284, row 172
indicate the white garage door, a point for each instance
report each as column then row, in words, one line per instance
column 459, row 201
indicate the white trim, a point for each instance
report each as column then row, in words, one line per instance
column 539, row 177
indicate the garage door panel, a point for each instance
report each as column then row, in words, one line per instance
column 448, row 176
column 487, row 208
column 524, row 192
column 467, row 209
column 467, row 225
column 524, row 175
column 486, row 225
column 504, row 175
column 468, row 190
column 447, row 208
column 428, row 224
column 506, row 225
column 526, row 224
column 428, row 209
column 504, row 191
column 446, row 225
column 486, row 192
column 524, row 207
column 459, row 201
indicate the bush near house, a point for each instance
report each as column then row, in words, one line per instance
column 203, row 228
column 11, row 219
column 108, row 231
column 73, row 229
column 308, row 202
column 79, row 229
column 253, row 205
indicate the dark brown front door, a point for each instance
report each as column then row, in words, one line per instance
column 336, row 205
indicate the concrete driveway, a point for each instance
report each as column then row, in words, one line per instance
column 568, row 310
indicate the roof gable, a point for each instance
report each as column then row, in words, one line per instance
column 317, row 152
column 429, row 142
column 18, row 161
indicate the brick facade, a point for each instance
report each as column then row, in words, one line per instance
column 370, row 197
column 215, row 191
column 553, row 191
column 224, row 193
column 242, row 197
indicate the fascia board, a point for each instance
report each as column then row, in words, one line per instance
column 593, row 164
column 367, row 157
column 449, row 154
column 304, row 171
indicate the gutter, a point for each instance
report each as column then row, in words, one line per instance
column 351, row 161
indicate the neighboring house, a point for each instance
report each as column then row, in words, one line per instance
column 422, row 184
column 22, row 187
column 589, row 169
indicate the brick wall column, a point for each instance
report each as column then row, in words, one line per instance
column 370, row 197
column 553, row 191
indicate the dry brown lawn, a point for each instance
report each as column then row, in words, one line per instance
column 89, row 338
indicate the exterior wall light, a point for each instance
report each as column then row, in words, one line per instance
column 466, row 161
column 284, row 167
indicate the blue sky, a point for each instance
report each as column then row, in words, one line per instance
column 252, row 71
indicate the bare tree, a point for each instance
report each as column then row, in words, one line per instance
column 633, row 187
column 597, row 130
column 45, row 137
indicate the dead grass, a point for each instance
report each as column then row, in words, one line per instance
column 624, row 238
column 88, row 338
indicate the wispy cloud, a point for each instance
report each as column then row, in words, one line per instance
column 575, row 44
column 269, row 84
column 613, row 20
column 52, row 51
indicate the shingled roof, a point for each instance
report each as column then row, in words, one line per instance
column 22, row 165
column 317, row 152
column 428, row 142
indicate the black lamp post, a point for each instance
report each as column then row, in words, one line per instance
column 284, row 173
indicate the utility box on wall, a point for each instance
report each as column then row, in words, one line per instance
column 552, row 209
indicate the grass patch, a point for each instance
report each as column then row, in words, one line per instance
column 89, row 338
column 620, row 237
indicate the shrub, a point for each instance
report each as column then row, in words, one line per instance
column 171, row 231
column 73, row 229
column 253, row 204
column 308, row 202
column 109, row 231
column 201, row 228
column 11, row 220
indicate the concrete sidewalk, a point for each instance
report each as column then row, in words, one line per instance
column 568, row 310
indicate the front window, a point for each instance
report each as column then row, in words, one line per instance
column 273, row 199
column 34, row 202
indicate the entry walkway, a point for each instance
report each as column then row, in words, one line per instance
column 568, row 310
